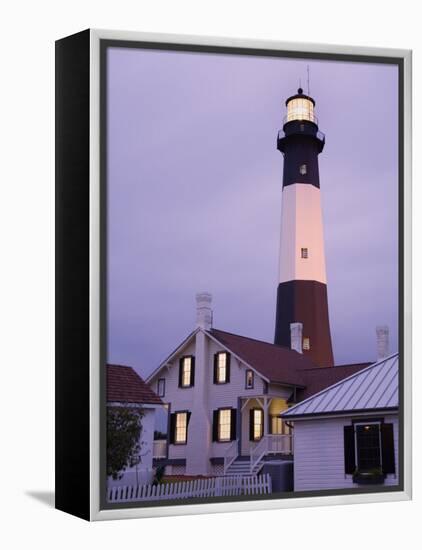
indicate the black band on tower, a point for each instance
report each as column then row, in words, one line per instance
column 305, row 302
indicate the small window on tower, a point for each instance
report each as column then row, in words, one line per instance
column 303, row 169
column 306, row 344
column 304, row 253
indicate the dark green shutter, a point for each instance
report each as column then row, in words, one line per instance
column 228, row 367
column 215, row 368
column 215, row 415
column 349, row 450
column 180, row 371
column 233, row 422
column 387, row 449
column 172, row 427
column 192, row 371
column 251, row 418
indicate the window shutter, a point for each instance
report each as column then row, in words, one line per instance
column 387, row 449
column 233, row 422
column 228, row 367
column 251, row 415
column 192, row 372
column 180, row 371
column 270, row 424
column 188, row 414
column 215, row 368
column 215, row 425
column 172, row 427
column 349, row 450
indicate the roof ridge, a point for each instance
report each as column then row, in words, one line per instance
column 339, row 366
column 253, row 339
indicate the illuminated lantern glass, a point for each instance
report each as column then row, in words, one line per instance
column 300, row 108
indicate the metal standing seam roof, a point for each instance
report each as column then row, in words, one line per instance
column 375, row 387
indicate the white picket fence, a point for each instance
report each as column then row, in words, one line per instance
column 197, row 488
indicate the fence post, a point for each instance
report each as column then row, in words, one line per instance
column 218, row 489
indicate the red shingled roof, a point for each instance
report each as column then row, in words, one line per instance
column 284, row 366
column 124, row 385
column 278, row 364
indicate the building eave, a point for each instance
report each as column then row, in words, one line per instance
column 168, row 359
column 339, row 414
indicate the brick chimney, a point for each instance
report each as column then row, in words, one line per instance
column 383, row 343
column 203, row 310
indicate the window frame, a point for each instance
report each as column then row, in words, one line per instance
column 229, row 410
column 371, row 422
column 182, row 359
column 303, row 169
column 304, row 253
column 255, row 409
column 177, row 413
column 246, row 379
column 217, row 367
column 163, row 393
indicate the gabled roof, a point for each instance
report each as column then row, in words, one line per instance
column 276, row 363
column 124, row 385
column 373, row 388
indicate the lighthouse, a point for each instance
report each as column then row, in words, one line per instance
column 302, row 288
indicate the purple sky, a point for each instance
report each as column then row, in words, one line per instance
column 194, row 183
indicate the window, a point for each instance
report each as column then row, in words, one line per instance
column 249, row 379
column 368, row 446
column 303, row 170
column 181, row 428
column 369, row 450
column 161, row 387
column 187, row 371
column 306, row 345
column 256, row 427
column 224, row 424
column 276, row 425
column 221, row 368
column 304, row 253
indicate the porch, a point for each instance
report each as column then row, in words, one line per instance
column 262, row 435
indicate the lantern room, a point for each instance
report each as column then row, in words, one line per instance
column 300, row 107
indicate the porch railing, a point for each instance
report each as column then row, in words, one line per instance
column 159, row 448
column 231, row 454
column 270, row 444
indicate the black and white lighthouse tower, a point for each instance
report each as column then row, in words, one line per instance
column 302, row 288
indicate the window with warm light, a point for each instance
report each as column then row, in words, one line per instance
column 276, row 425
column 181, row 427
column 221, row 373
column 258, row 424
column 249, row 379
column 306, row 344
column 224, row 424
column 186, row 372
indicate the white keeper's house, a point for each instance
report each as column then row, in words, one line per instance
column 347, row 435
column 125, row 388
column 225, row 394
